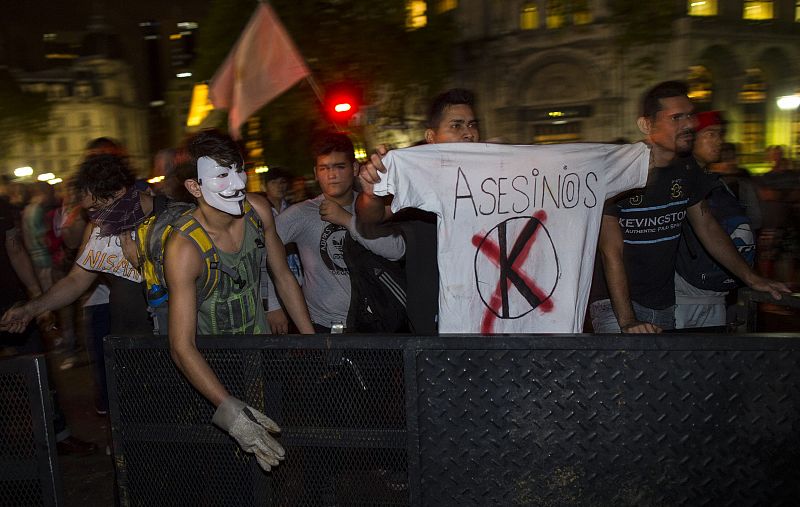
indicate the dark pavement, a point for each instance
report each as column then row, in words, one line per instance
column 86, row 481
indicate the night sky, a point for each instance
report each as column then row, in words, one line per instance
column 23, row 22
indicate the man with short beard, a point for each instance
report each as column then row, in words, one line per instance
column 641, row 230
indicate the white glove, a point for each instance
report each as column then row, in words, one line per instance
column 251, row 429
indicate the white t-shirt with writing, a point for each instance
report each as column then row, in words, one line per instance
column 104, row 254
column 517, row 226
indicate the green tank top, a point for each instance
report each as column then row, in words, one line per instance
column 235, row 306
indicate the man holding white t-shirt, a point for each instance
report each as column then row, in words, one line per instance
column 515, row 225
column 451, row 119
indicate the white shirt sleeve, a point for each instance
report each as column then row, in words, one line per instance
column 411, row 178
column 626, row 167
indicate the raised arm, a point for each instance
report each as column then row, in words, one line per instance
column 610, row 247
column 378, row 239
column 719, row 245
column 370, row 208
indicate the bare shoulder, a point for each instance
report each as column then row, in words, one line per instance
column 261, row 206
column 181, row 252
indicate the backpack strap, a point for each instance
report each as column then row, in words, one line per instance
column 253, row 220
column 144, row 228
column 146, row 264
column 189, row 227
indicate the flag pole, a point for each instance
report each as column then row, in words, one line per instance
column 310, row 77
column 314, row 85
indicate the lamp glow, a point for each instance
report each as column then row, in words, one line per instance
column 46, row 177
column 788, row 102
column 20, row 172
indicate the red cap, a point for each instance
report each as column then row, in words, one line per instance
column 707, row 119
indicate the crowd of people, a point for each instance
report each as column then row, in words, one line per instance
column 240, row 262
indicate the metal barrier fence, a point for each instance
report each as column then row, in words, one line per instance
column 28, row 467
column 466, row 420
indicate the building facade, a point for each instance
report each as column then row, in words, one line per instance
column 91, row 96
column 549, row 71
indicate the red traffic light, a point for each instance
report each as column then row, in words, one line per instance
column 342, row 102
column 342, row 107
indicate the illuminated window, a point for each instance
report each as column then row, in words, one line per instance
column 753, row 96
column 757, row 9
column 200, row 106
column 56, row 91
column 446, row 5
column 754, row 89
column 83, row 89
column 700, row 89
column 702, row 7
column 581, row 13
column 529, row 17
column 557, row 132
column 416, row 14
column 797, row 11
column 555, row 12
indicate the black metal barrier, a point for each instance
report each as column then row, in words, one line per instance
column 468, row 420
column 28, row 466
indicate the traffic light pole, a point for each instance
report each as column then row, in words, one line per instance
column 320, row 97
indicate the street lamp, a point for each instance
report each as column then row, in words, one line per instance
column 788, row 102
column 21, row 172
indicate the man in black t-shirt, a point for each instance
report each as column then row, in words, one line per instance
column 640, row 230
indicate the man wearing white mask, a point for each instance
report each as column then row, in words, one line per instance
column 215, row 177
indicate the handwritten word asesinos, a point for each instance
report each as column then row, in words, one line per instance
column 517, row 194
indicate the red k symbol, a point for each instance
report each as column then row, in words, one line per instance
column 516, row 293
